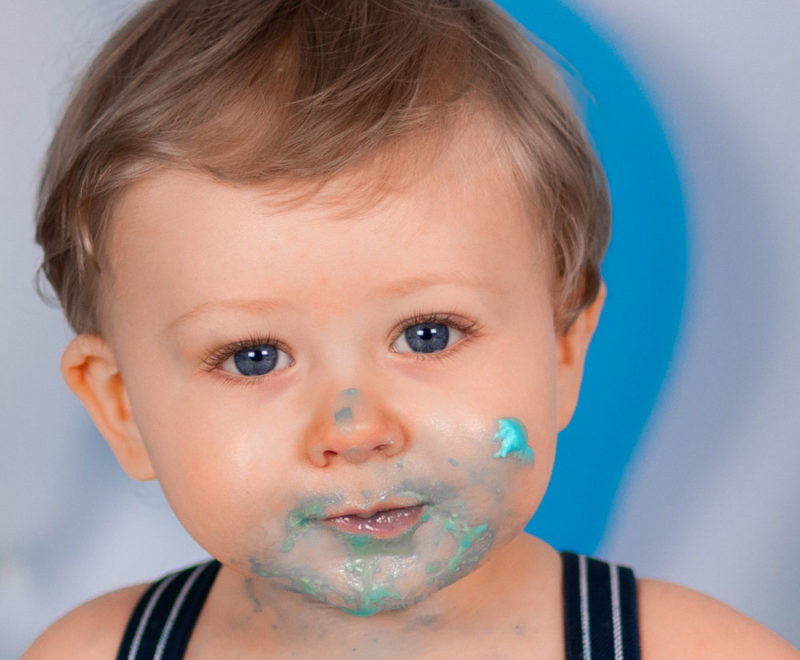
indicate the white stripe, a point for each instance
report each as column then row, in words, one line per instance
column 616, row 615
column 584, row 586
column 173, row 613
column 137, row 638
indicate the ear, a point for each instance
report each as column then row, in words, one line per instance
column 90, row 371
column 572, row 347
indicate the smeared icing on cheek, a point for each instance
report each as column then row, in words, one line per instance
column 513, row 440
column 465, row 536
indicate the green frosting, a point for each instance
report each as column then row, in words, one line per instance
column 465, row 536
column 371, row 598
column 298, row 520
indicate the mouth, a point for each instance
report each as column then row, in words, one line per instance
column 384, row 523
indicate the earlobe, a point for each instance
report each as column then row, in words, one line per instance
column 572, row 348
column 90, row 371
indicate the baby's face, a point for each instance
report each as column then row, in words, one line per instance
column 358, row 407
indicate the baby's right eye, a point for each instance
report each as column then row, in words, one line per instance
column 256, row 360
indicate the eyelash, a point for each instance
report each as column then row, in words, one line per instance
column 470, row 329
column 214, row 360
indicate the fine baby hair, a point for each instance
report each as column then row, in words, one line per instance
column 333, row 268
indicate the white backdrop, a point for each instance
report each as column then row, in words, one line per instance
column 713, row 498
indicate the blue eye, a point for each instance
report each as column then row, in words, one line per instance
column 257, row 360
column 427, row 337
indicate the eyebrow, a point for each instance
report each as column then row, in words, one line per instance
column 263, row 306
column 415, row 283
column 255, row 306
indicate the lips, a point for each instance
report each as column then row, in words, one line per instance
column 385, row 523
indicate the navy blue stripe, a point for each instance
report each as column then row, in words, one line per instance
column 572, row 606
column 189, row 612
column 601, row 627
column 159, row 614
column 136, row 617
column 630, row 614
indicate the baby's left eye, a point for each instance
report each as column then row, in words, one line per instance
column 426, row 337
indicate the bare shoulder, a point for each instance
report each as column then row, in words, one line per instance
column 676, row 622
column 93, row 630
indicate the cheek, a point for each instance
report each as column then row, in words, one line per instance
column 498, row 466
column 509, row 430
column 215, row 462
column 516, row 466
column 521, row 383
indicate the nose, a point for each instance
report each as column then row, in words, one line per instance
column 355, row 428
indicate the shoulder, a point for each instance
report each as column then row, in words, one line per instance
column 93, row 630
column 676, row 622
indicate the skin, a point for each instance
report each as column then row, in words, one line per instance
column 352, row 420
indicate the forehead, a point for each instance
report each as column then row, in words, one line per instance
column 183, row 238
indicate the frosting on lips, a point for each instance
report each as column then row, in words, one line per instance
column 383, row 524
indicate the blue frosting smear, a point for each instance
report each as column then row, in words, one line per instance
column 513, row 440
column 343, row 415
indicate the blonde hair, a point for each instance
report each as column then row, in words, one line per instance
column 257, row 91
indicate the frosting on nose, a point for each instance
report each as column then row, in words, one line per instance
column 355, row 429
column 345, row 416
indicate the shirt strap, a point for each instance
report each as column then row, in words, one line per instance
column 162, row 622
column 601, row 620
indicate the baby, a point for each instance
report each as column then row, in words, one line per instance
column 333, row 267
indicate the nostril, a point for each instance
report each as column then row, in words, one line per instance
column 390, row 447
column 357, row 446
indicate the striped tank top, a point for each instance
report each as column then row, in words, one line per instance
column 600, row 612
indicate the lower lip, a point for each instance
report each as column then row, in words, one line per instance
column 381, row 525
